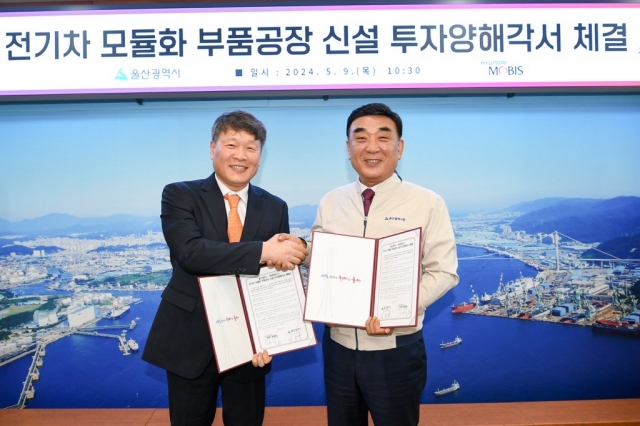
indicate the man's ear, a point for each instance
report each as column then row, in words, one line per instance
column 212, row 148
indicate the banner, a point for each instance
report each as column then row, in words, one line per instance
column 320, row 48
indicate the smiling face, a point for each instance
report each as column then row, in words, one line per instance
column 374, row 148
column 236, row 158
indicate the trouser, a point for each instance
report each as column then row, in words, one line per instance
column 388, row 383
column 192, row 402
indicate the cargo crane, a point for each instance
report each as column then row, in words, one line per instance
column 474, row 298
column 508, row 303
column 537, row 291
column 621, row 298
column 589, row 313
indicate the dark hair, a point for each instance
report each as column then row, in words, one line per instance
column 239, row 121
column 375, row 109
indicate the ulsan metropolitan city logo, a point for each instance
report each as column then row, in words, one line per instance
column 120, row 75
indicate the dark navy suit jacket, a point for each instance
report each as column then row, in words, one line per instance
column 194, row 223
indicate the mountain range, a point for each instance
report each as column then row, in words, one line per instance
column 615, row 222
column 58, row 224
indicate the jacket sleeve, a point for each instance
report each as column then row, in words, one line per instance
column 439, row 257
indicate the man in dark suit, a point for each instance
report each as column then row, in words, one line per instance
column 194, row 223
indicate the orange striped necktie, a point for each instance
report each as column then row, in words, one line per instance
column 234, row 225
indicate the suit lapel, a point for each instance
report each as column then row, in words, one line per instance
column 255, row 210
column 214, row 202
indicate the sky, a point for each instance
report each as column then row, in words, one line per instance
column 481, row 153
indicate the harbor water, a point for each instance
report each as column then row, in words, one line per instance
column 499, row 360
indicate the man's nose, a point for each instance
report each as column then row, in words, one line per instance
column 371, row 145
column 240, row 154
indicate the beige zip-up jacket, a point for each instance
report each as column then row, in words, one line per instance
column 397, row 206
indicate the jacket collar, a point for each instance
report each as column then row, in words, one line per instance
column 388, row 185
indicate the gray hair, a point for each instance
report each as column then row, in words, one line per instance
column 239, row 121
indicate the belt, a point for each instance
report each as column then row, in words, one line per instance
column 407, row 339
column 401, row 340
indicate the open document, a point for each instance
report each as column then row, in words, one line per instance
column 353, row 278
column 250, row 313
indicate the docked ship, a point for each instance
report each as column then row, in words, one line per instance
column 499, row 299
column 520, row 285
column 454, row 387
column 621, row 327
column 466, row 306
column 117, row 311
column 485, row 299
column 455, row 342
column 30, row 393
column 463, row 307
column 133, row 345
column 111, row 311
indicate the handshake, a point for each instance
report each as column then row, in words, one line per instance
column 284, row 251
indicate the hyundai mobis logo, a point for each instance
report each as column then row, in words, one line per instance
column 506, row 70
column 501, row 68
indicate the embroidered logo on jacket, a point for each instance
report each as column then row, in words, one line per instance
column 402, row 219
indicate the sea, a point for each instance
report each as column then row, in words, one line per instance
column 499, row 359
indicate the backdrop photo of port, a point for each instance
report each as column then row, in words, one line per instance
column 544, row 194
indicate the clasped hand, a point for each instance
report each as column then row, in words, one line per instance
column 284, row 251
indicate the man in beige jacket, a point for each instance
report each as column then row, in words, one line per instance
column 382, row 370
